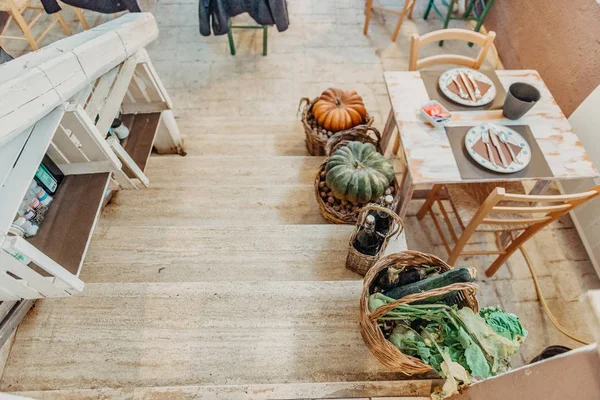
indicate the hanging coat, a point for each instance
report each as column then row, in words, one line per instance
column 101, row 6
column 264, row 12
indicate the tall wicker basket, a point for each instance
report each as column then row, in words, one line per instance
column 315, row 144
column 384, row 350
column 359, row 262
column 361, row 133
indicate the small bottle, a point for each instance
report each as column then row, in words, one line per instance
column 119, row 129
column 26, row 211
column 383, row 221
column 367, row 241
column 30, row 228
column 40, row 193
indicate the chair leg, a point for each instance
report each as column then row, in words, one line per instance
column 412, row 7
column 18, row 17
column 428, row 9
column 433, row 195
column 481, row 18
column 63, row 24
column 81, row 17
column 368, row 8
column 448, row 16
column 399, row 24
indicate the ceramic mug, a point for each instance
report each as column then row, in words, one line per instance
column 519, row 99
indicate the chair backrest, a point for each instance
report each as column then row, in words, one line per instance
column 538, row 215
column 485, row 41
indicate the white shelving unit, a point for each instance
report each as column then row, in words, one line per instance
column 61, row 101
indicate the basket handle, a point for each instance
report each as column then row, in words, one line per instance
column 384, row 309
column 360, row 133
column 302, row 100
column 398, row 226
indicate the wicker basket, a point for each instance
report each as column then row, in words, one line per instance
column 384, row 350
column 359, row 262
column 361, row 133
column 315, row 144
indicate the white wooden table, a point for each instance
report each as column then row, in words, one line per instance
column 427, row 151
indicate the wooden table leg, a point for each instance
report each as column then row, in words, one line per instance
column 541, row 187
column 406, row 192
column 388, row 131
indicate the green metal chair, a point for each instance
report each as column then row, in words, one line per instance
column 476, row 10
column 232, row 43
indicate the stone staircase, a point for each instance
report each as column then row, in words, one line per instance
column 220, row 281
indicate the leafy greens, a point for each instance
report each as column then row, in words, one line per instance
column 458, row 344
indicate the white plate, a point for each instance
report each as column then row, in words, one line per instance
column 514, row 137
column 446, row 79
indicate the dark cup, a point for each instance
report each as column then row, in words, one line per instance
column 519, row 99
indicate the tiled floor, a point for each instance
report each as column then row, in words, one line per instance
column 247, row 166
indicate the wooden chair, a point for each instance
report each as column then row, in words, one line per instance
column 15, row 10
column 417, row 41
column 408, row 8
column 487, row 207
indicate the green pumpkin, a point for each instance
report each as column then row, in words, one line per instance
column 358, row 173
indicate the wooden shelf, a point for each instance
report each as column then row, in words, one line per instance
column 66, row 231
column 142, row 131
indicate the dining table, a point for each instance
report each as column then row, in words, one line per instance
column 428, row 154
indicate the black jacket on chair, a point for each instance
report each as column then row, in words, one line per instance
column 101, row 6
column 264, row 12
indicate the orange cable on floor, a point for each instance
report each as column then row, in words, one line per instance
column 545, row 305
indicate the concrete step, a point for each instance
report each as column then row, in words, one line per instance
column 210, row 144
column 229, row 253
column 126, row 335
column 417, row 389
column 218, row 205
column 202, row 173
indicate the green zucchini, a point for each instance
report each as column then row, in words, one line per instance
column 455, row 275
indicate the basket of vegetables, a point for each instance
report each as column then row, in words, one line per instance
column 360, row 262
column 418, row 314
column 354, row 175
column 334, row 111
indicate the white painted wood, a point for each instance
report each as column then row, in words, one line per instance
column 128, row 161
column 34, row 280
column 55, row 154
column 63, row 142
column 90, row 167
column 10, row 153
column 16, row 287
column 23, row 101
column 428, row 152
column 168, row 138
column 35, row 86
column 143, row 108
column 117, row 93
column 16, row 184
column 100, row 92
column 93, row 144
column 585, row 121
column 18, row 244
column 6, row 295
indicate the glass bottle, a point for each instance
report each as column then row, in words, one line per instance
column 383, row 222
column 367, row 241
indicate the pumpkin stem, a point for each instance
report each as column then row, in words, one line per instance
column 338, row 102
column 358, row 165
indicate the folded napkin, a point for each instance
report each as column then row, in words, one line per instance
column 481, row 149
column 483, row 87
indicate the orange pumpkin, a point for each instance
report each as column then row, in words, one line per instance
column 337, row 110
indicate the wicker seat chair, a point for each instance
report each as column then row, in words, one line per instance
column 489, row 207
